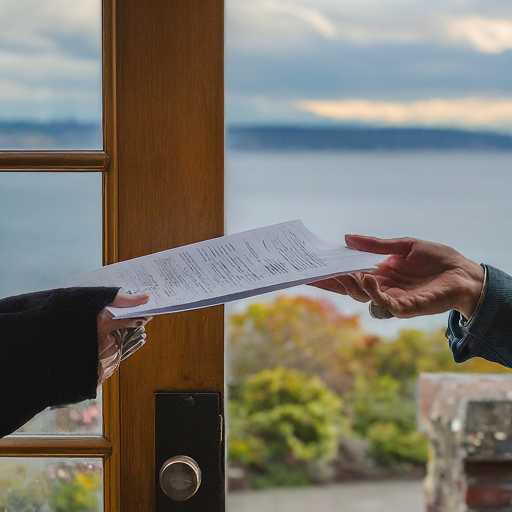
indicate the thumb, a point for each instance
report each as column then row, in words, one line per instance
column 125, row 300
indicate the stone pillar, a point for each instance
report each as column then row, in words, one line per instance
column 468, row 421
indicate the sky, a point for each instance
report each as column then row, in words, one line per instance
column 50, row 60
column 381, row 62
column 372, row 62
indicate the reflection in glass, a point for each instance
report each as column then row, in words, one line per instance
column 50, row 69
column 37, row 484
column 51, row 229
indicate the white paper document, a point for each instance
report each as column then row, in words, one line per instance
column 228, row 268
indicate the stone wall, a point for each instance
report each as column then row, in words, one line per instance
column 468, row 421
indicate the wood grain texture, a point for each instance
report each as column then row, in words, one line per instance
column 49, row 446
column 111, row 390
column 54, row 161
column 169, row 162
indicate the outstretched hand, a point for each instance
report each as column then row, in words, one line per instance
column 109, row 352
column 418, row 278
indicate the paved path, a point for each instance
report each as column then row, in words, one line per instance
column 395, row 496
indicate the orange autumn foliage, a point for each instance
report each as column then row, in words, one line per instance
column 311, row 335
column 302, row 333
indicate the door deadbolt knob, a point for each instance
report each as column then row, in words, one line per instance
column 180, row 477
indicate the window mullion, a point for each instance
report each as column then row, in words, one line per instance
column 63, row 161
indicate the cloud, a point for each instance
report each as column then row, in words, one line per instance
column 486, row 35
column 470, row 112
column 485, row 27
column 265, row 86
column 312, row 17
column 59, row 26
column 50, row 59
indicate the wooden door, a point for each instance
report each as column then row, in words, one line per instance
column 165, row 136
column 163, row 187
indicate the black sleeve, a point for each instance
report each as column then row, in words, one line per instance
column 489, row 335
column 48, row 351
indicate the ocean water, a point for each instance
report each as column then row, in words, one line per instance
column 50, row 225
column 50, row 228
column 462, row 199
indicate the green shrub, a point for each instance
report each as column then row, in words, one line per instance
column 21, row 489
column 64, row 486
column 382, row 400
column 79, row 495
column 395, row 446
column 375, row 377
column 282, row 419
column 281, row 475
column 385, row 414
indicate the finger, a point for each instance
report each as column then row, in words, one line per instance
column 107, row 366
column 353, row 286
column 331, row 285
column 388, row 278
column 106, row 342
column 125, row 300
column 401, row 246
column 107, row 347
column 129, row 322
column 106, row 328
column 371, row 286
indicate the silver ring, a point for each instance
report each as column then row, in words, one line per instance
column 379, row 312
column 129, row 340
column 133, row 340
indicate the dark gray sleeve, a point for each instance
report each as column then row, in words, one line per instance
column 48, row 351
column 489, row 335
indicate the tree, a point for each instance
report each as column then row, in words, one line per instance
column 306, row 334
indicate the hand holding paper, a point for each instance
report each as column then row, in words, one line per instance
column 418, row 278
column 227, row 268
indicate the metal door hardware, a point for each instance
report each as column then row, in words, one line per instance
column 180, row 477
column 189, row 452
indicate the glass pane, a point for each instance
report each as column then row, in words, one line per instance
column 381, row 118
column 83, row 418
column 51, row 229
column 50, row 69
column 51, row 485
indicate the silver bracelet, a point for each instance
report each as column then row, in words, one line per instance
column 465, row 323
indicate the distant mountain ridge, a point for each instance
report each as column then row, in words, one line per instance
column 342, row 138
column 72, row 135
column 28, row 135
